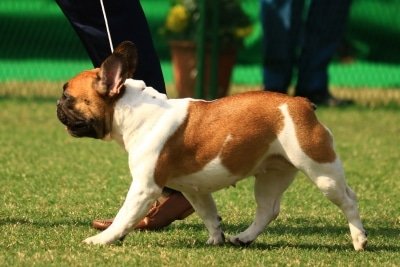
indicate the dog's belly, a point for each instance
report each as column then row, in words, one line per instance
column 213, row 177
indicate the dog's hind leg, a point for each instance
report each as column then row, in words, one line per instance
column 268, row 190
column 330, row 179
column 205, row 207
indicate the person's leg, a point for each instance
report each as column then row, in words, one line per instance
column 281, row 22
column 325, row 25
column 126, row 22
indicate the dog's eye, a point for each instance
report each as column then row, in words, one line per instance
column 69, row 100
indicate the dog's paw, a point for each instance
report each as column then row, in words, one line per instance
column 96, row 240
column 360, row 242
column 216, row 240
column 240, row 241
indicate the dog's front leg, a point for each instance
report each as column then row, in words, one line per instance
column 205, row 207
column 140, row 197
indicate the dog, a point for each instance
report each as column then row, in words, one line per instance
column 199, row 147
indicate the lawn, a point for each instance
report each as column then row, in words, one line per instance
column 52, row 186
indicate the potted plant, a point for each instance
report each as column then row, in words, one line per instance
column 182, row 29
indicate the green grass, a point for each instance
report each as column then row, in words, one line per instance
column 52, row 186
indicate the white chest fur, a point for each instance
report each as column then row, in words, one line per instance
column 213, row 177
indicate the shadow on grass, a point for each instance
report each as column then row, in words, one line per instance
column 308, row 229
column 304, row 230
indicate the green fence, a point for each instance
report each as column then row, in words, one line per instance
column 37, row 43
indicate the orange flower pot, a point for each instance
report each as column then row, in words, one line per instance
column 184, row 63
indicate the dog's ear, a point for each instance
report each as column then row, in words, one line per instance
column 118, row 67
column 128, row 52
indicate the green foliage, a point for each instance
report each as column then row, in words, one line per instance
column 52, row 186
column 183, row 21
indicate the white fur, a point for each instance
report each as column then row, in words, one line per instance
column 213, row 177
column 144, row 120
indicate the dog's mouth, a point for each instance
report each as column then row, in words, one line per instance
column 76, row 126
column 82, row 129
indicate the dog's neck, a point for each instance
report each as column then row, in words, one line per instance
column 138, row 112
column 137, row 91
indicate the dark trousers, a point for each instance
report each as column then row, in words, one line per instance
column 306, row 45
column 126, row 22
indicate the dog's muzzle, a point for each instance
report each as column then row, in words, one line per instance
column 76, row 126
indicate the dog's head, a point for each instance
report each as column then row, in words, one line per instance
column 87, row 102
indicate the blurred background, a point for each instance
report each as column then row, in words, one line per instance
column 39, row 50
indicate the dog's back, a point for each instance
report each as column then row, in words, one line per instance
column 240, row 132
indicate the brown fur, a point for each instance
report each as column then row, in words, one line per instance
column 313, row 138
column 89, row 102
column 81, row 87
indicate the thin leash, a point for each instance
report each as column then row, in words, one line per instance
column 107, row 28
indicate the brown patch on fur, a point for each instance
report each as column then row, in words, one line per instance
column 239, row 128
column 313, row 137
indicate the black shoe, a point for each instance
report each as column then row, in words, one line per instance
column 335, row 102
column 276, row 90
column 330, row 101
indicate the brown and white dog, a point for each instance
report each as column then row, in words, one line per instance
column 199, row 147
